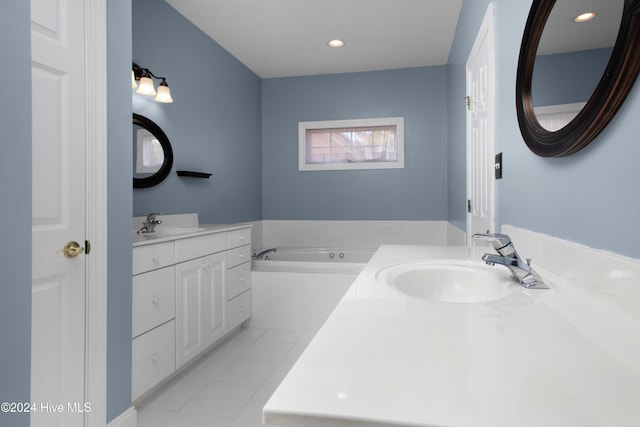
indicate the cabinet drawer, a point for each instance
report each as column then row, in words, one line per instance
column 152, row 257
column 239, row 237
column 239, row 279
column 239, row 255
column 152, row 358
column 196, row 247
column 239, row 309
column 153, row 299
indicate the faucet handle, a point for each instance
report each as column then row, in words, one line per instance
column 498, row 240
column 152, row 216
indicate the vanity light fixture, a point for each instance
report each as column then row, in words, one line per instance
column 142, row 78
column 335, row 43
column 584, row 17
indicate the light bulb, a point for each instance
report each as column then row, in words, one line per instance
column 146, row 86
column 164, row 94
column 584, row 17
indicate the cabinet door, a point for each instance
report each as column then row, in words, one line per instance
column 215, row 286
column 190, row 315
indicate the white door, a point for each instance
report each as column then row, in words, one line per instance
column 59, row 132
column 480, row 134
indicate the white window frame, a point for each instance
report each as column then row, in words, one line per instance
column 144, row 140
column 357, row 123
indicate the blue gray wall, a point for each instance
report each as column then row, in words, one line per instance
column 15, row 213
column 567, row 77
column 417, row 192
column 119, row 207
column 213, row 124
column 588, row 197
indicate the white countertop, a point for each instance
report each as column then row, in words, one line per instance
column 151, row 238
column 386, row 359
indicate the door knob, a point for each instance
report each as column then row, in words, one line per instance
column 71, row 250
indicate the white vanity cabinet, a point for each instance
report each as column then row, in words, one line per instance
column 239, row 277
column 200, row 305
column 153, row 316
column 187, row 294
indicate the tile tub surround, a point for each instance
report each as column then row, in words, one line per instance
column 357, row 234
column 535, row 358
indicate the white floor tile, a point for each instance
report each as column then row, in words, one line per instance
column 253, row 409
column 183, row 419
column 221, row 399
column 249, row 334
column 295, row 353
column 252, row 372
column 148, row 417
column 289, row 336
column 177, row 393
column 268, row 351
column 229, row 386
column 246, row 423
column 307, row 336
column 278, row 374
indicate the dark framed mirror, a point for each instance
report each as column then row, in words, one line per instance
column 152, row 153
column 618, row 48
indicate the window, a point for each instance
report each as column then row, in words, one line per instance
column 150, row 155
column 351, row 144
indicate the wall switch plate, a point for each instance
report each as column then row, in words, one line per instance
column 498, row 166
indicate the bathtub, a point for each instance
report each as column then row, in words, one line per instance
column 312, row 260
column 297, row 288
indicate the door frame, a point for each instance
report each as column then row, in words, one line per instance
column 486, row 31
column 96, row 212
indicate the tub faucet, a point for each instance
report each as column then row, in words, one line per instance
column 264, row 254
column 149, row 225
column 520, row 270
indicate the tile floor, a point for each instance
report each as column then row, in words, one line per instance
column 228, row 386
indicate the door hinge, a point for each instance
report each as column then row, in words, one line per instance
column 468, row 102
column 469, row 205
column 87, row 247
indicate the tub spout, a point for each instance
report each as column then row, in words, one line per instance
column 263, row 255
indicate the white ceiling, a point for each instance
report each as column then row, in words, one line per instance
column 283, row 38
column 562, row 35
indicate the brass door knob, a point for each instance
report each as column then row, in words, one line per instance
column 71, row 250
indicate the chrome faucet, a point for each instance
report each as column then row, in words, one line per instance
column 520, row 270
column 264, row 255
column 149, row 225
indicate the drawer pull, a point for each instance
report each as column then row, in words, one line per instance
column 242, row 238
column 156, row 301
column 241, row 256
column 155, row 358
column 155, row 257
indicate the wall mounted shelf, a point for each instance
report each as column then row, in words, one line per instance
column 193, row 174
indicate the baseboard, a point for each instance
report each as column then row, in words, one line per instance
column 128, row 418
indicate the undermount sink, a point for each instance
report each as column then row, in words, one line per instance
column 449, row 281
column 174, row 231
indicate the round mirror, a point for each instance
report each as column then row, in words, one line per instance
column 573, row 76
column 152, row 153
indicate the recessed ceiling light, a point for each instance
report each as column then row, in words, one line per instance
column 335, row 43
column 584, row 17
